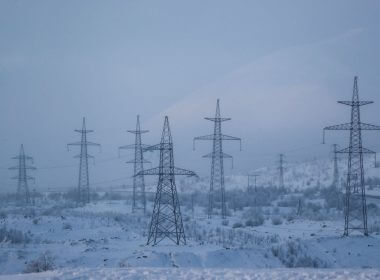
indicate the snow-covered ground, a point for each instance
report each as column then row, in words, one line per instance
column 193, row 274
column 104, row 240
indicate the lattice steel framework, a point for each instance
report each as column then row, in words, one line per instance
column 83, row 178
column 139, row 198
column 281, row 162
column 166, row 219
column 335, row 182
column 355, row 212
column 23, row 194
column 217, row 156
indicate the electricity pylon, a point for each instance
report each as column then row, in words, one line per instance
column 281, row 162
column 249, row 186
column 166, row 218
column 335, row 182
column 217, row 155
column 355, row 208
column 23, row 194
column 139, row 198
column 83, row 180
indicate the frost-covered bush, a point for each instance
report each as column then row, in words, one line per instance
column 295, row 254
column 276, row 221
column 237, row 225
column 67, row 226
column 44, row 262
column 13, row 236
column 256, row 221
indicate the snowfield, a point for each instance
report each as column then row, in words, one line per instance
column 191, row 274
column 292, row 233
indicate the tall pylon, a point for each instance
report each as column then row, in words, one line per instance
column 281, row 162
column 355, row 208
column 249, row 186
column 83, row 178
column 335, row 181
column 217, row 155
column 139, row 198
column 23, row 194
column 166, row 219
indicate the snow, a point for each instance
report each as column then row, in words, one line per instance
column 191, row 274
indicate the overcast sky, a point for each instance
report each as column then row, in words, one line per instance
column 278, row 67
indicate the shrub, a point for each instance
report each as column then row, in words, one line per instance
column 13, row 236
column 237, row 225
column 255, row 222
column 67, row 226
column 44, row 262
column 276, row 221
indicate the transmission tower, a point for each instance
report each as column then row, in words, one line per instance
column 139, row 199
column 83, row 180
column 217, row 155
column 336, row 170
column 281, row 162
column 23, row 194
column 249, row 186
column 166, row 218
column 355, row 212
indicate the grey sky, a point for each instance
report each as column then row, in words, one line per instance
column 278, row 67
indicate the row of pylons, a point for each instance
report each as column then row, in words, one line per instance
column 166, row 221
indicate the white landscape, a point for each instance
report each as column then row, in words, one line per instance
column 181, row 140
column 104, row 240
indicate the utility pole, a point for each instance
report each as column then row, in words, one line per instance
column 166, row 218
column 281, row 171
column 355, row 216
column 139, row 198
column 23, row 194
column 217, row 155
column 84, row 179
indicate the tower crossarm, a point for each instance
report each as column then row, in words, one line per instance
column 23, row 157
column 83, row 130
column 216, row 137
column 220, row 119
column 159, row 147
column 138, row 131
column 355, row 103
column 27, row 177
column 344, row 126
column 79, row 143
column 18, row 167
column 366, row 126
column 353, row 150
column 132, row 147
column 173, row 171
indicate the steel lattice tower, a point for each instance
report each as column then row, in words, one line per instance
column 23, row 194
column 281, row 162
column 139, row 199
column 355, row 212
column 166, row 218
column 217, row 155
column 249, row 187
column 83, row 180
column 335, row 182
